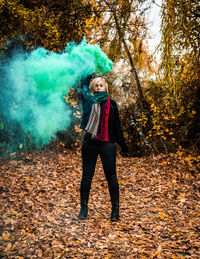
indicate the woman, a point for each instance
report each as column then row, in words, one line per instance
column 101, row 122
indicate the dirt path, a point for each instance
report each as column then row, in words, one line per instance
column 159, row 209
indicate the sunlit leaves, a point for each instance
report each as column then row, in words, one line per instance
column 6, row 235
column 180, row 29
column 50, row 24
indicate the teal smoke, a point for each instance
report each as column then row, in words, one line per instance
column 39, row 80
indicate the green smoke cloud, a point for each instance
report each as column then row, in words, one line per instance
column 38, row 82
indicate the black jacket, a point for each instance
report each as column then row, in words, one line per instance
column 114, row 126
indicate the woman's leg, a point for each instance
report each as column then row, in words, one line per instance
column 108, row 158
column 89, row 159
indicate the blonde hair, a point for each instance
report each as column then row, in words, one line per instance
column 97, row 80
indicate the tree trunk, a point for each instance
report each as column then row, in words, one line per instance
column 141, row 96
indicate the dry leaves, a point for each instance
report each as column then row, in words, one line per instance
column 159, row 209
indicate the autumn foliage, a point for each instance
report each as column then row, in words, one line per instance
column 159, row 208
column 50, row 24
column 160, row 114
column 170, row 116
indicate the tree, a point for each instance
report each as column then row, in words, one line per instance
column 180, row 39
column 50, row 24
column 179, row 69
column 121, row 34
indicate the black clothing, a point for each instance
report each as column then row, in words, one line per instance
column 84, row 209
column 115, row 210
column 114, row 127
column 91, row 148
column 90, row 151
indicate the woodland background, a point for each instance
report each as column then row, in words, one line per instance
column 159, row 103
column 159, row 107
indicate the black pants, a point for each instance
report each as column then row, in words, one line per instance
column 107, row 151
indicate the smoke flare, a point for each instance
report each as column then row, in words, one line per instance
column 34, row 84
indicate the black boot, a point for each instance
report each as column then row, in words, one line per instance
column 84, row 209
column 115, row 210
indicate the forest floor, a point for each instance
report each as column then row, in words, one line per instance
column 159, row 208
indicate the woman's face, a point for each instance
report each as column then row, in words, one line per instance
column 99, row 87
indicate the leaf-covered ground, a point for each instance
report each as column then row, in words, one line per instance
column 159, row 208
